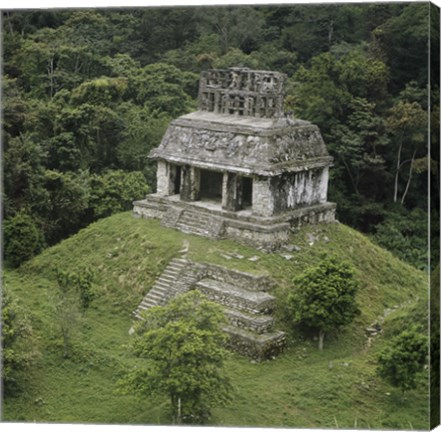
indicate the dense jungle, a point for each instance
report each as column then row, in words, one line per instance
column 87, row 94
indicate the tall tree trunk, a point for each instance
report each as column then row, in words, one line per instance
column 321, row 336
column 409, row 179
column 50, row 71
column 179, row 419
column 397, row 171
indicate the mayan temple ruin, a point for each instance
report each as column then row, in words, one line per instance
column 239, row 167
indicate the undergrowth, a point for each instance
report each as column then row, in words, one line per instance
column 335, row 388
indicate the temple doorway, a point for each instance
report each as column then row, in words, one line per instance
column 176, row 179
column 247, row 192
column 211, row 185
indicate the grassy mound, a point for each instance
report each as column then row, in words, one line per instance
column 303, row 387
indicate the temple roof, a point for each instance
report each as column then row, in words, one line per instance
column 252, row 145
column 240, row 127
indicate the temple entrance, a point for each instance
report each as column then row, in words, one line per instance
column 247, row 192
column 176, row 179
column 211, row 185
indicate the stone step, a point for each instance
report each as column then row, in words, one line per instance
column 167, row 278
column 171, row 216
column 172, row 271
column 193, row 230
column 162, row 286
column 200, row 224
column 257, row 346
column 178, row 261
column 255, row 323
column 233, row 297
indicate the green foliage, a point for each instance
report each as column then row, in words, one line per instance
column 434, row 347
column 182, row 344
column 103, row 90
column 24, row 180
column 18, row 350
column 115, row 190
column 165, row 88
column 73, row 295
column 81, row 282
column 324, row 297
column 23, row 239
column 93, row 90
column 68, row 200
column 297, row 389
column 405, row 356
column 143, row 132
column 404, row 233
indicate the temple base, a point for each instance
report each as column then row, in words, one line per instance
column 208, row 219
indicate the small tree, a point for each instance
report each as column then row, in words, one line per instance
column 183, row 347
column 402, row 359
column 73, row 295
column 22, row 238
column 18, row 351
column 324, row 298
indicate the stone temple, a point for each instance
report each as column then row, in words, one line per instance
column 239, row 167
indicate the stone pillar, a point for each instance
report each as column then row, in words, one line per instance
column 231, row 192
column 323, row 185
column 263, row 199
column 309, row 188
column 190, row 183
column 164, row 184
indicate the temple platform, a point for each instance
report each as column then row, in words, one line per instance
column 207, row 218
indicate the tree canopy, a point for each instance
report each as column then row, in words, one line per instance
column 89, row 91
column 324, row 297
column 182, row 345
column 405, row 356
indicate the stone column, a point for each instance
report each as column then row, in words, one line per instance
column 263, row 199
column 231, row 192
column 190, row 183
column 164, row 185
column 323, row 185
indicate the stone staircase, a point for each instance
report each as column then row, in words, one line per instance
column 243, row 296
column 167, row 286
column 200, row 223
column 248, row 312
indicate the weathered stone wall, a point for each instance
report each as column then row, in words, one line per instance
column 293, row 190
column 242, row 92
column 258, row 347
column 268, row 234
column 258, row 239
column 242, row 148
column 235, row 277
column 263, row 197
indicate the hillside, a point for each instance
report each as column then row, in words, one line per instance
column 301, row 388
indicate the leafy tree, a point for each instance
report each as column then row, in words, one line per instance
column 408, row 123
column 324, row 297
column 23, row 239
column 405, row 356
column 74, row 292
column 68, row 202
column 235, row 27
column 114, row 191
column 18, row 350
column 165, row 88
column 144, row 131
column 23, row 163
column 182, row 344
column 404, row 233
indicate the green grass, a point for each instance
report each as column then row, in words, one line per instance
column 301, row 388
